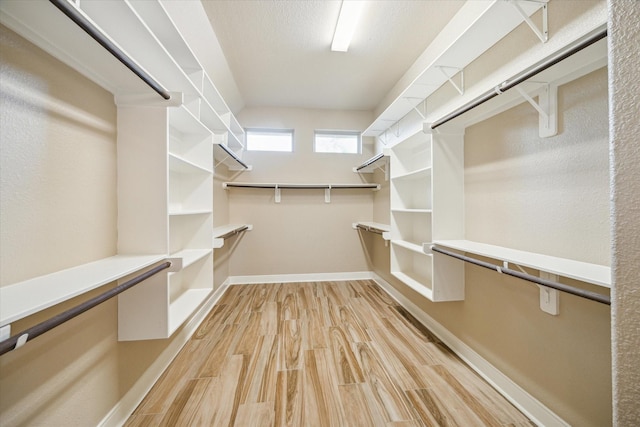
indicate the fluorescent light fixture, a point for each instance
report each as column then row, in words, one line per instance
column 347, row 22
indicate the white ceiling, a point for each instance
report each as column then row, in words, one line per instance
column 279, row 51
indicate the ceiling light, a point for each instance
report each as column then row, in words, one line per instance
column 347, row 21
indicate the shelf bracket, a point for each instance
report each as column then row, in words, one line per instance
column 547, row 108
column 459, row 88
column 277, row 194
column 415, row 106
column 543, row 34
column 549, row 298
column 327, row 195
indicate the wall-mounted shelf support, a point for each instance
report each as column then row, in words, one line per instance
column 543, row 34
column 459, row 87
column 373, row 227
column 423, row 101
column 549, row 298
column 223, row 154
column 547, row 107
column 225, row 231
column 378, row 162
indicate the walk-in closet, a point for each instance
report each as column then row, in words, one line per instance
column 319, row 213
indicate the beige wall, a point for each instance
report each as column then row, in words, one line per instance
column 624, row 39
column 302, row 234
column 59, row 209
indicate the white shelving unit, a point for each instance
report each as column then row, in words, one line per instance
column 165, row 148
column 165, row 153
column 379, row 161
column 471, row 32
column 417, row 185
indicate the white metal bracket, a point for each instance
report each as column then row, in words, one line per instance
column 5, row 332
column 327, row 195
column 549, row 298
column 547, row 107
column 415, row 106
column 277, row 194
column 460, row 87
column 543, row 34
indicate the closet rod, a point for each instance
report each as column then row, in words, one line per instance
column 525, row 75
column 233, row 232
column 593, row 296
column 370, row 161
column 19, row 339
column 76, row 16
column 299, row 186
column 233, row 155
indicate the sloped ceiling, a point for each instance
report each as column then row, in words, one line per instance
column 279, row 51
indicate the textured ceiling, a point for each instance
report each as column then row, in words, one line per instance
column 279, row 51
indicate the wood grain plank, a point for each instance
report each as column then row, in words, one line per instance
column 382, row 392
column 289, row 398
column 346, row 365
column 255, row 415
column 260, row 385
column 356, row 408
column 322, row 407
column 290, row 345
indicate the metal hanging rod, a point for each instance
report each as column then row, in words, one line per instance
column 593, row 296
column 525, row 75
column 370, row 161
column 228, row 185
column 233, row 155
column 233, row 232
column 21, row 338
column 74, row 14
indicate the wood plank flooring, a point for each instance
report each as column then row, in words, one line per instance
column 318, row 354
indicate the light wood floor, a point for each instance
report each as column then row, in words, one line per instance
column 318, row 354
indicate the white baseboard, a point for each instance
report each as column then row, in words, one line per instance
column 130, row 401
column 310, row 277
column 527, row 404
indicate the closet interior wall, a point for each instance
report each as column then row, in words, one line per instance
column 302, row 234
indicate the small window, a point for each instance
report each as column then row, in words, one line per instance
column 332, row 141
column 269, row 140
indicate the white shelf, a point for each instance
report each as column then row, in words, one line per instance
column 22, row 299
column 220, row 233
column 408, row 245
column 413, row 211
column 378, row 161
column 472, row 31
column 190, row 212
column 419, row 174
column 375, row 227
column 408, row 279
column 583, row 271
column 182, row 165
column 191, row 256
column 228, row 157
column 185, row 305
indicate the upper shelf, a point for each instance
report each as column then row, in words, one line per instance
column 22, row 299
column 224, row 231
column 583, row 271
column 472, row 31
column 225, row 155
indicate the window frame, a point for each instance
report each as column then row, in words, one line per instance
column 330, row 132
column 273, row 131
